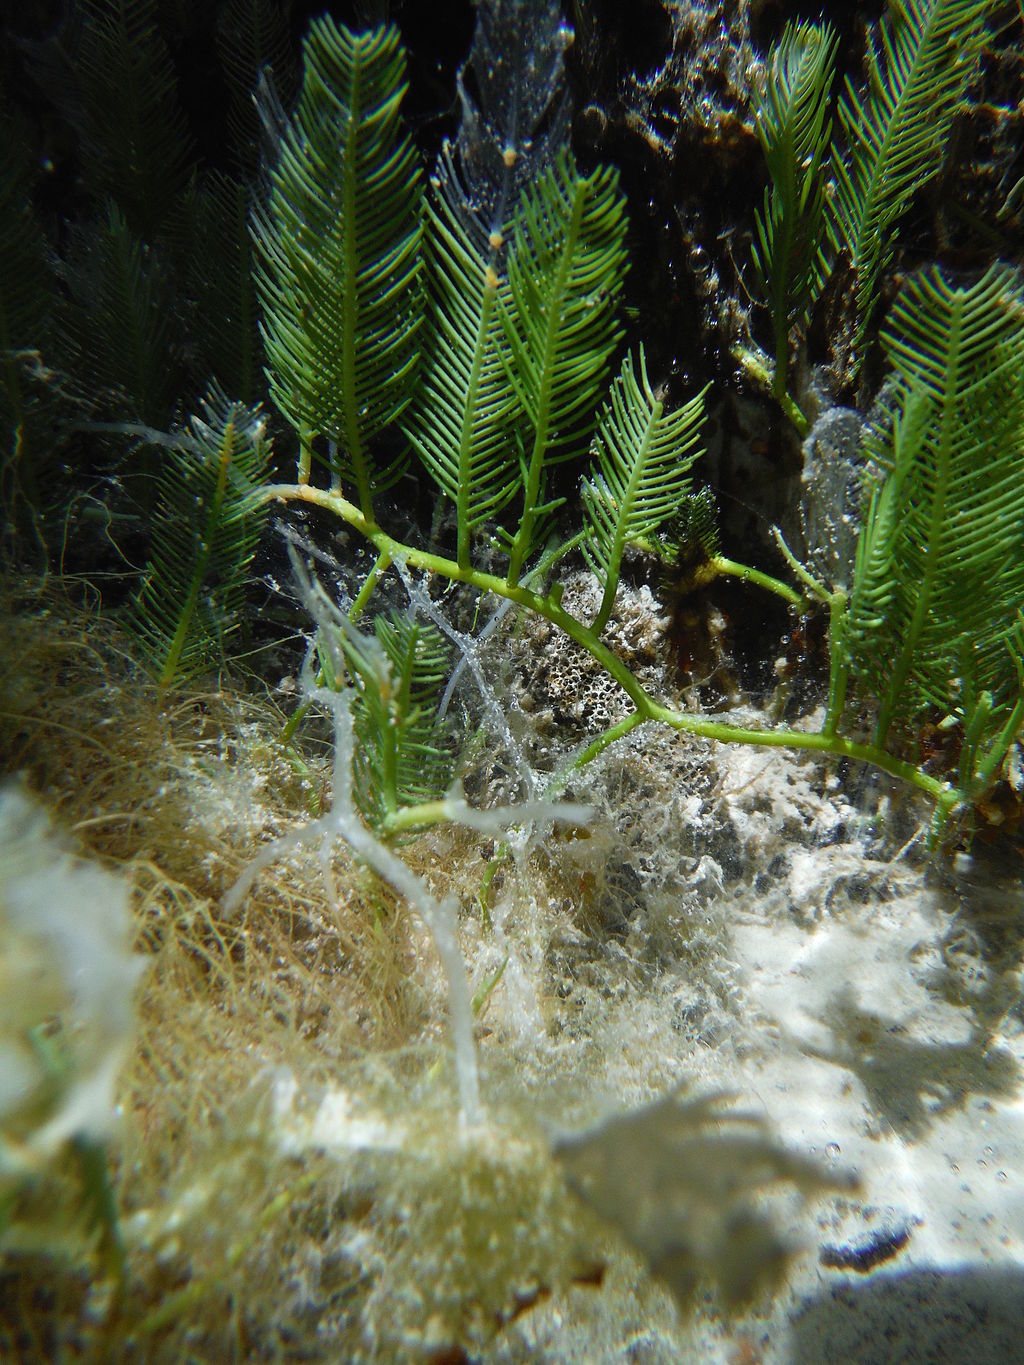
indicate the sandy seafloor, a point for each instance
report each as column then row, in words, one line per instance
column 924, row 1264
column 876, row 997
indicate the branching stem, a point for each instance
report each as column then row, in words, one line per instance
column 646, row 708
column 729, row 568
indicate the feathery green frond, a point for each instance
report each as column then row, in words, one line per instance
column 695, row 535
column 990, row 724
column 135, row 142
column 252, row 34
column 338, row 252
column 224, row 330
column 120, row 321
column 690, row 544
column 462, row 421
column 939, row 577
column 466, row 424
column 565, row 271
column 398, row 674
column 644, row 457
column 896, row 130
column 791, row 117
column 205, row 533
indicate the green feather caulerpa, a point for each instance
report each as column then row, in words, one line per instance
column 491, row 347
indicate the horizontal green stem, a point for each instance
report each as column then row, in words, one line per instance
column 731, row 569
column 420, row 816
column 646, row 708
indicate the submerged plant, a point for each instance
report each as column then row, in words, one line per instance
column 641, row 482
column 850, row 197
column 516, row 363
column 933, row 622
column 401, row 755
column 896, row 130
column 793, row 125
column 206, row 530
column 338, row 254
